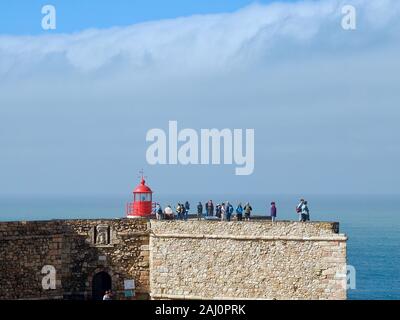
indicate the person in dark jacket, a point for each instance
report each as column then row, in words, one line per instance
column 186, row 210
column 305, row 212
column 159, row 212
column 239, row 212
column 228, row 211
column 210, row 208
column 218, row 211
column 273, row 211
column 247, row 211
column 199, row 211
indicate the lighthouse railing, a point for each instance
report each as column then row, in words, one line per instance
column 130, row 209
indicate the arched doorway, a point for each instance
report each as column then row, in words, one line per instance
column 100, row 284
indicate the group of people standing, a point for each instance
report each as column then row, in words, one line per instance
column 301, row 209
column 181, row 210
column 223, row 211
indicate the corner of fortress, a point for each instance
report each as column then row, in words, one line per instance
column 173, row 259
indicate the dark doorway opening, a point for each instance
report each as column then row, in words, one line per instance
column 100, row 284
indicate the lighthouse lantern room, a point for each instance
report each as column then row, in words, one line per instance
column 142, row 204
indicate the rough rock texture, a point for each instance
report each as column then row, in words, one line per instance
column 69, row 245
column 174, row 259
column 242, row 260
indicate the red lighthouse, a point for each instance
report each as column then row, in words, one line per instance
column 142, row 204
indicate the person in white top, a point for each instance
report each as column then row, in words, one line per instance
column 169, row 214
column 107, row 295
column 299, row 208
column 223, row 210
column 305, row 212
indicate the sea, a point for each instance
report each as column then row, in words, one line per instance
column 371, row 222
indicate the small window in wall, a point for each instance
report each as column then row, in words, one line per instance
column 142, row 196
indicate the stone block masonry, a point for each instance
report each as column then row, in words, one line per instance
column 247, row 260
column 174, row 259
column 78, row 249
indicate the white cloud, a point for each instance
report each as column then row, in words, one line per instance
column 75, row 108
column 203, row 42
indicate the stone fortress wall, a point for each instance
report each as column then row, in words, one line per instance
column 78, row 249
column 174, row 259
column 256, row 260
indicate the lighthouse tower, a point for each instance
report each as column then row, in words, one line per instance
column 142, row 204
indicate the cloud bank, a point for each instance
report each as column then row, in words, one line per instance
column 75, row 108
column 207, row 42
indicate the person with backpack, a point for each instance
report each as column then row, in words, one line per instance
column 305, row 212
column 239, row 212
column 199, row 211
column 298, row 208
column 273, row 211
column 210, row 208
column 228, row 211
column 247, row 211
column 187, row 208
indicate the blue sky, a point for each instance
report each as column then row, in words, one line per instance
column 76, row 104
column 24, row 17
